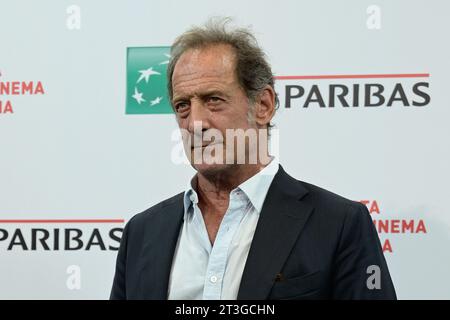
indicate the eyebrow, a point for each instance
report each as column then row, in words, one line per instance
column 202, row 95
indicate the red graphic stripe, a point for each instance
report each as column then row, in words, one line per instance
column 63, row 221
column 355, row 76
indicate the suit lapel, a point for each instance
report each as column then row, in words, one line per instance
column 161, row 237
column 281, row 221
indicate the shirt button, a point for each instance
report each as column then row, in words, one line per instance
column 213, row 279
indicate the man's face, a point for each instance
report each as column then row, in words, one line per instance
column 206, row 89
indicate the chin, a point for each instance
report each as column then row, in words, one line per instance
column 211, row 169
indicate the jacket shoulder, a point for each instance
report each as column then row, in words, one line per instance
column 323, row 195
column 333, row 208
column 157, row 209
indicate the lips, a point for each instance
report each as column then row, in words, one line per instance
column 206, row 145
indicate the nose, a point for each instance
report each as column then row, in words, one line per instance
column 198, row 117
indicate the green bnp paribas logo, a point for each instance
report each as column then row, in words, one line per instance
column 147, row 80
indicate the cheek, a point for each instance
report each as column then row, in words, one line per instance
column 227, row 120
column 182, row 122
column 236, row 116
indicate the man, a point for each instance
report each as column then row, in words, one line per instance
column 243, row 229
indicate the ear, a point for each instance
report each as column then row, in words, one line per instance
column 265, row 107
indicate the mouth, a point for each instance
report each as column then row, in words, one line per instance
column 205, row 145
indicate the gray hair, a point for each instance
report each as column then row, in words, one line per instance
column 252, row 69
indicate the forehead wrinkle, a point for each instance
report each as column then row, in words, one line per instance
column 199, row 84
column 193, row 91
column 204, row 81
column 201, row 77
column 184, row 72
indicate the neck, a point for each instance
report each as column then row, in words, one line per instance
column 214, row 189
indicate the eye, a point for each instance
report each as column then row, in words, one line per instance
column 181, row 107
column 214, row 99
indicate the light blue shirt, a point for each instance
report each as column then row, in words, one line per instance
column 213, row 272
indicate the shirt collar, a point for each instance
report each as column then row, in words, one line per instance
column 255, row 188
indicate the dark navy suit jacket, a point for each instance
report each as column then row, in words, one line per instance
column 309, row 243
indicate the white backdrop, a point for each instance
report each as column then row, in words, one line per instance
column 69, row 152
